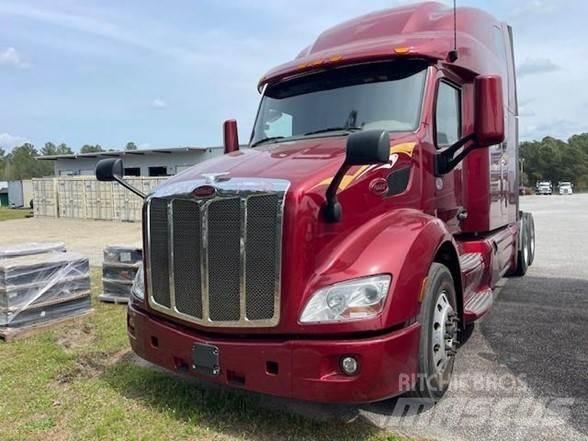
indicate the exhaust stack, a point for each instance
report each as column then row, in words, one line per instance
column 230, row 136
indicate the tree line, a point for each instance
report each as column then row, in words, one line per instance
column 555, row 160
column 549, row 159
column 20, row 163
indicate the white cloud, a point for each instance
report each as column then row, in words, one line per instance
column 8, row 141
column 158, row 103
column 11, row 57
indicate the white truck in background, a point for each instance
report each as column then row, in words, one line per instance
column 565, row 187
column 544, row 187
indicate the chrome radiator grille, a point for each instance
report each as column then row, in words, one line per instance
column 216, row 261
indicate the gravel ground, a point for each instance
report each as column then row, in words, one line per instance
column 81, row 236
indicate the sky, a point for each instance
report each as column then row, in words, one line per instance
column 165, row 74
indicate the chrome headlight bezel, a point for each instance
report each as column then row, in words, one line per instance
column 138, row 288
column 351, row 300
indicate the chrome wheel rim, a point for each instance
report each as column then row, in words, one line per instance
column 526, row 250
column 532, row 235
column 444, row 331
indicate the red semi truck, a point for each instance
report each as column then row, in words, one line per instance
column 338, row 256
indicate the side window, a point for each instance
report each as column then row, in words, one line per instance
column 500, row 45
column 448, row 114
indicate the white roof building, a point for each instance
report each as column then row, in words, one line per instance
column 149, row 162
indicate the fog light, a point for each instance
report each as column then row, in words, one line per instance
column 349, row 365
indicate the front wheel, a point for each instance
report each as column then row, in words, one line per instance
column 438, row 339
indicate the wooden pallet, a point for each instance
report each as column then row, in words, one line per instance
column 12, row 334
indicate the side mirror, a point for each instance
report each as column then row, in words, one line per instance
column 488, row 124
column 363, row 148
column 230, row 136
column 369, row 147
column 489, row 110
column 112, row 169
column 109, row 169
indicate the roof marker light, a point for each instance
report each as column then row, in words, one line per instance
column 401, row 50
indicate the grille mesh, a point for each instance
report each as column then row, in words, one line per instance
column 159, row 251
column 187, row 233
column 224, row 259
column 260, row 252
column 218, row 255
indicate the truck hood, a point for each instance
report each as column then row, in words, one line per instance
column 314, row 252
column 300, row 162
column 308, row 164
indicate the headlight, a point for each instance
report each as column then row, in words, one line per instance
column 138, row 288
column 352, row 300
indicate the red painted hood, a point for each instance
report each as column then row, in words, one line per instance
column 302, row 161
column 316, row 252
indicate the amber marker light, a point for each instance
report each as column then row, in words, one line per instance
column 401, row 50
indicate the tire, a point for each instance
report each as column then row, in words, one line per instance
column 530, row 237
column 438, row 338
column 523, row 251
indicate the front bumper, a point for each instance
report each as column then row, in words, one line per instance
column 302, row 369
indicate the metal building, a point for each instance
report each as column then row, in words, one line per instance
column 3, row 194
column 151, row 163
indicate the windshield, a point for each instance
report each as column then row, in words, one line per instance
column 372, row 96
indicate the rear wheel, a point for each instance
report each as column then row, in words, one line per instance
column 526, row 251
column 530, row 222
column 438, row 339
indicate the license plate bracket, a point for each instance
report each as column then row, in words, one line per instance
column 205, row 359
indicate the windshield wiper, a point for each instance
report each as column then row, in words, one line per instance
column 334, row 129
column 269, row 138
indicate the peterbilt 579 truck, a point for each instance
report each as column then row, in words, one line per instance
column 337, row 257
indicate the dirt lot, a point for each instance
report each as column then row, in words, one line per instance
column 82, row 236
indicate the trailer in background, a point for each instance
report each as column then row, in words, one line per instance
column 20, row 194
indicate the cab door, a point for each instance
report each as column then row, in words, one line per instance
column 447, row 129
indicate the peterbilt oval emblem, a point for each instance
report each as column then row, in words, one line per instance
column 379, row 186
column 204, row 191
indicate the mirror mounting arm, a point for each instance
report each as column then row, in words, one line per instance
column 447, row 161
column 332, row 208
column 130, row 187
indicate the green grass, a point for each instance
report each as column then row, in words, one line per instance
column 13, row 213
column 81, row 382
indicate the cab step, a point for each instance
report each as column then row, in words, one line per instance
column 478, row 304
